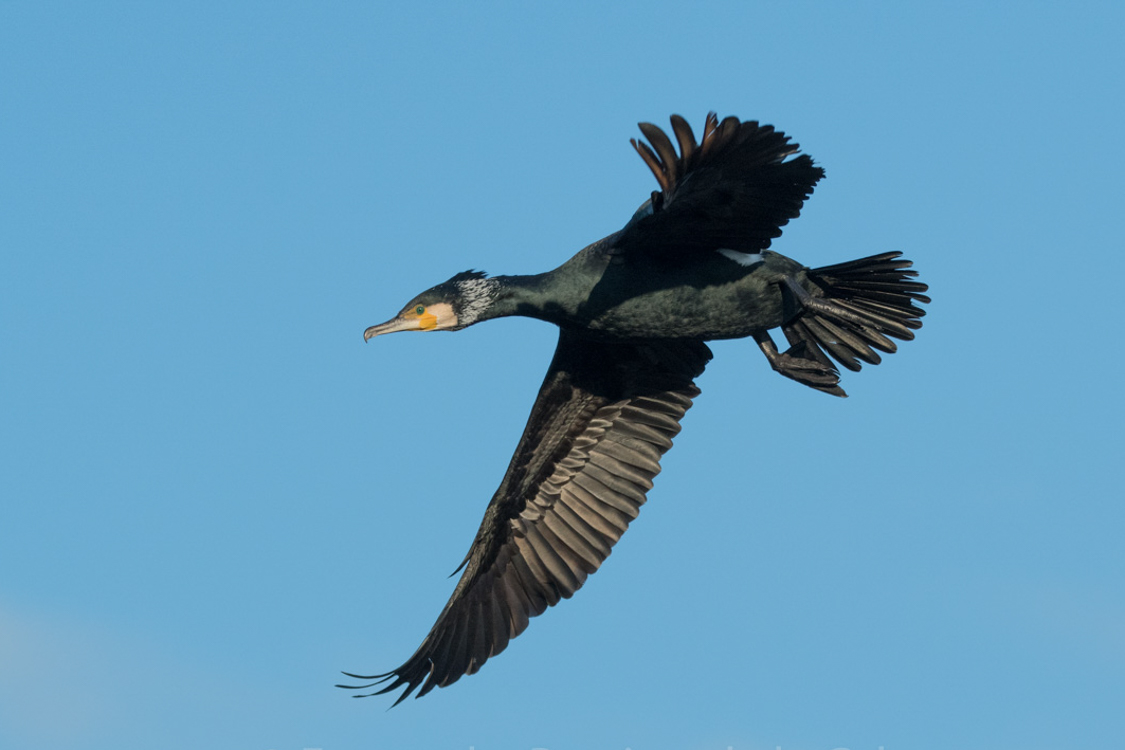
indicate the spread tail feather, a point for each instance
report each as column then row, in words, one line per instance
column 851, row 313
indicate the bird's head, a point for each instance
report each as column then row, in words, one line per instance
column 450, row 306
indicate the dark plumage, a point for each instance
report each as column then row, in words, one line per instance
column 634, row 310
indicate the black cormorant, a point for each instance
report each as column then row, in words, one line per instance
column 634, row 310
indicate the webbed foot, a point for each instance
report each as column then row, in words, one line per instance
column 802, row 365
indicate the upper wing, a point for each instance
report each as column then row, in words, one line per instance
column 602, row 419
column 734, row 190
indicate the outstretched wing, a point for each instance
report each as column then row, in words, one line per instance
column 734, row 190
column 605, row 414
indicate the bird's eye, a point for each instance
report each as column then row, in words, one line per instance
column 419, row 309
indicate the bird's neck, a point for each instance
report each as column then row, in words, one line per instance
column 503, row 296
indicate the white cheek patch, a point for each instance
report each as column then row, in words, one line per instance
column 742, row 259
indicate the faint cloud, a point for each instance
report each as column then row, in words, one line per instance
column 56, row 684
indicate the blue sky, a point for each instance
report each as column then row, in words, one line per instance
column 215, row 496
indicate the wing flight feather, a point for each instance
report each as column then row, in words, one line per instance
column 603, row 417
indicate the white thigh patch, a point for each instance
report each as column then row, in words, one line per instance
column 742, row 259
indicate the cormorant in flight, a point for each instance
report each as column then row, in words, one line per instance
column 634, row 310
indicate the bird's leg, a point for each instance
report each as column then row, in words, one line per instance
column 796, row 364
column 820, row 305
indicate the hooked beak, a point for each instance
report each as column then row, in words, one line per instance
column 423, row 323
column 391, row 326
